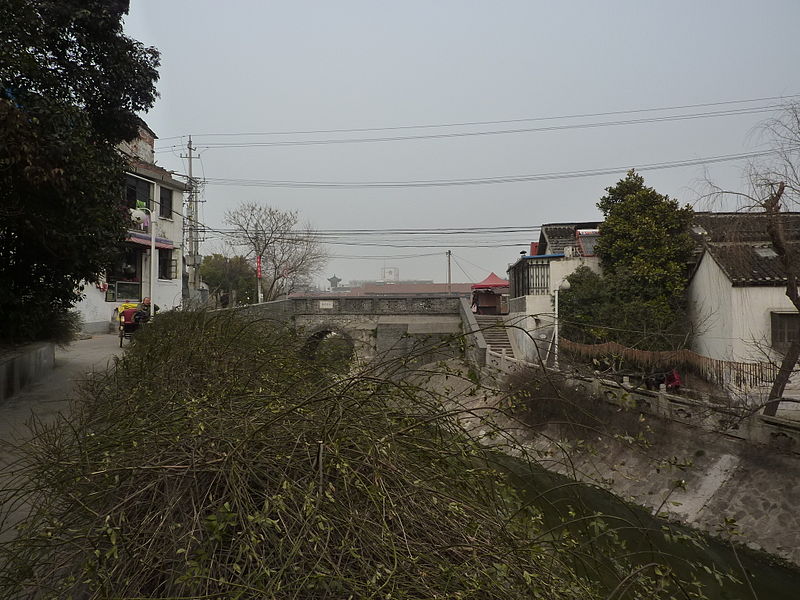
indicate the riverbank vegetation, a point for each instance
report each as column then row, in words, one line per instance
column 219, row 461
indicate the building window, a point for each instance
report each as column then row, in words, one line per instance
column 785, row 329
column 124, row 276
column 167, row 266
column 530, row 276
column 138, row 191
column 165, row 203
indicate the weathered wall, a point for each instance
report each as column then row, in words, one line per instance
column 694, row 476
column 25, row 366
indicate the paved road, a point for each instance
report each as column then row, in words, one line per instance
column 48, row 397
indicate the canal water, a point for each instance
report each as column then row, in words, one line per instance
column 726, row 572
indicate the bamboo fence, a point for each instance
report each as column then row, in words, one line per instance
column 712, row 370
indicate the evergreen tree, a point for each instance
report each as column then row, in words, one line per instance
column 71, row 83
column 644, row 250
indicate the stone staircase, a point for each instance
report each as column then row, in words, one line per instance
column 495, row 333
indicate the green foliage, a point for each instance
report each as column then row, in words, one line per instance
column 645, row 239
column 70, row 83
column 231, row 275
column 644, row 249
column 581, row 306
column 216, row 463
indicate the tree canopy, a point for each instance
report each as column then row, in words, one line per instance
column 645, row 236
column 291, row 252
column 644, row 250
column 71, row 83
column 231, row 275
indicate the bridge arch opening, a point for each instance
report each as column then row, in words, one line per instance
column 330, row 346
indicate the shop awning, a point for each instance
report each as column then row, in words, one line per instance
column 491, row 282
column 135, row 237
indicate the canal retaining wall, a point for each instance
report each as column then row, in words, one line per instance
column 711, row 467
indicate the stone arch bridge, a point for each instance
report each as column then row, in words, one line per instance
column 379, row 325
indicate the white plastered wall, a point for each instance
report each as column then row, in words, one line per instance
column 732, row 323
column 531, row 329
column 167, row 293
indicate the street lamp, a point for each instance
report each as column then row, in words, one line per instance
column 139, row 219
column 563, row 286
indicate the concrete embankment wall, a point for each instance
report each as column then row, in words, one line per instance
column 24, row 366
column 687, row 460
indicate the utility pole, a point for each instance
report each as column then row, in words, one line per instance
column 193, row 230
column 449, row 279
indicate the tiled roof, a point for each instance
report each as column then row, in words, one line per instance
column 749, row 263
column 741, row 226
column 555, row 236
column 740, row 245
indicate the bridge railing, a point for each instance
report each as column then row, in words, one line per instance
column 375, row 305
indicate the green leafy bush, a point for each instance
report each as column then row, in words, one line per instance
column 216, row 462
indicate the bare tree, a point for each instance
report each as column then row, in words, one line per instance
column 775, row 190
column 290, row 251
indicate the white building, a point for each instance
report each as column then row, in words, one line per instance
column 737, row 294
column 128, row 275
column 535, row 278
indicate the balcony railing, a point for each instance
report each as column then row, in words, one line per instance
column 530, row 276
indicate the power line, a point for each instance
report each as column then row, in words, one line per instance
column 458, row 264
column 473, row 264
column 398, row 244
column 406, row 232
column 491, row 122
column 383, row 256
column 486, row 180
column 463, row 134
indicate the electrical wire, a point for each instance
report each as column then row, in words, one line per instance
column 473, row 264
column 491, row 122
column 469, row 277
column 486, row 180
column 464, row 134
column 383, row 256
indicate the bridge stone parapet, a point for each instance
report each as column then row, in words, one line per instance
column 376, row 305
column 380, row 326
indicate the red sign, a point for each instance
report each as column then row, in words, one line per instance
column 258, row 267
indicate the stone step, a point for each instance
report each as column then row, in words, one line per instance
column 495, row 333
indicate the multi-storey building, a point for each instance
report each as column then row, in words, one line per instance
column 128, row 276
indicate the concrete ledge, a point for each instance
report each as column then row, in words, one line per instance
column 774, row 432
column 25, row 366
column 475, row 343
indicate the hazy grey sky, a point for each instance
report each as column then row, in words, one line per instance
column 258, row 67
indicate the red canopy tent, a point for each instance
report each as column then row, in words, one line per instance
column 487, row 296
column 491, row 282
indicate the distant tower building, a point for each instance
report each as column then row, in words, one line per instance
column 334, row 281
column 390, row 274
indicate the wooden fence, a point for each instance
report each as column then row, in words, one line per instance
column 712, row 370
